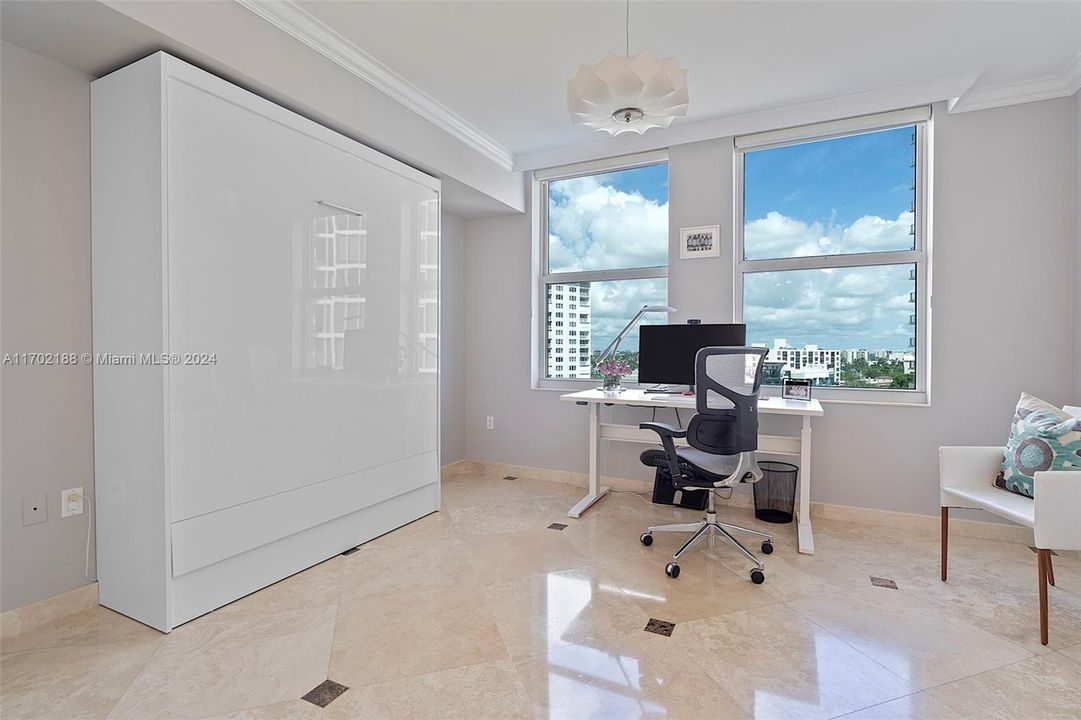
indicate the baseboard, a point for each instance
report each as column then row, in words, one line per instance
column 44, row 611
column 924, row 524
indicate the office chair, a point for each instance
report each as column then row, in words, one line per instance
column 722, row 439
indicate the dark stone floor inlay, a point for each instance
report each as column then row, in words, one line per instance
column 510, row 477
column 660, row 627
column 557, row 526
column 324, row 693
column 350, row 551
column 1033, row 549
column 883, row 582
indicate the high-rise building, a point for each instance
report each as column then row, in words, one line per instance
column 568, row 330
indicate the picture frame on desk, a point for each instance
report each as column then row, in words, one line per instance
column 793, row 389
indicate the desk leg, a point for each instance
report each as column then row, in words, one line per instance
column 596, row 490
column 806, row 538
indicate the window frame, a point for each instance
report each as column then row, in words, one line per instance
column 542, row 277
column 919, row 256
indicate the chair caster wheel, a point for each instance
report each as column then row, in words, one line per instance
column 671, row 570
column 767, row 547
column 646, row 539
column 757, row 576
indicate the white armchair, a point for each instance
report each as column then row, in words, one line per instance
column 1054, row 513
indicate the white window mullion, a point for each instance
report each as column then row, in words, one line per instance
column 832, row 261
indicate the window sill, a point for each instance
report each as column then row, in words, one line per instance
column 879, row 398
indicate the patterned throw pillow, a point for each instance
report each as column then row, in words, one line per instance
column 1042, row 437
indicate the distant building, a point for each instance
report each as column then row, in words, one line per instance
column 822, row 366
column 568, row 330
column 810, row 362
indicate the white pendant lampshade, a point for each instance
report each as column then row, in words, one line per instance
column 628, row 94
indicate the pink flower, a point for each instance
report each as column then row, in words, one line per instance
column 614, row 367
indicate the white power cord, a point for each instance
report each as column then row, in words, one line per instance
column 89, row 528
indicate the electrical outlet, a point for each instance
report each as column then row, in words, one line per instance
column 71, row 502
column 489, row 424
column 34, row 510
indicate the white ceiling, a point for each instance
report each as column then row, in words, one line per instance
column 503, row 67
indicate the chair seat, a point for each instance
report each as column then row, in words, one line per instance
column 719, row 466
column 1018, row 508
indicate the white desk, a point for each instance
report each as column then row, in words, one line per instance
column 796, row 445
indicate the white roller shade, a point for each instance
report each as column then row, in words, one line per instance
column 833, row 128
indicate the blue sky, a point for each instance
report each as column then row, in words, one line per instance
column 838, row 181
column 845, row 195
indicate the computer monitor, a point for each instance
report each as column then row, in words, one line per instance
column 666, row 352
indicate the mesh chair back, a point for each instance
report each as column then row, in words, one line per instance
column 728, row 380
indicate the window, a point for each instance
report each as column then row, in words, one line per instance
column 603, row 255
column 831, row 254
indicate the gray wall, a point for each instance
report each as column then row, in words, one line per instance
column 47, row 442
column 452, row 340
column 1004, row 202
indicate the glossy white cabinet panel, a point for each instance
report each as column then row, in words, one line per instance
column 296, row 287
column 310, row 312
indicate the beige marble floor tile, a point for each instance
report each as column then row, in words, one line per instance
column 870, row 551
column 925, row 645
column 504, row 516
column 508, row 556
column 88, row 628
column 777, row 664
column 581, row 607
column 1072, row 652
column 1048, row 686
column 704, row 587
column 432, row 529
column 389, row 567
column 1006, row 607
column 917, row 706
column 487, row 691
column 1039, row 688
column 640, row 675
column 403, row 634
column 289, row 710
column 74, row 667
column 219, row 667
column 317, row 586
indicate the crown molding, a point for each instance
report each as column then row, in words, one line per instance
column 804, row 113
column 288, row 17
column 1063, row 84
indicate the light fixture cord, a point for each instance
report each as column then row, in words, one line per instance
column 627, row 53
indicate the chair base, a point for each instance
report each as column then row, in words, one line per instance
column 709, row 528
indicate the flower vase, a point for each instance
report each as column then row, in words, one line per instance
column 612, row 383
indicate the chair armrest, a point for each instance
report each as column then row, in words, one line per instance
column 1057, row 515
column 968, row 467
column 664, row 429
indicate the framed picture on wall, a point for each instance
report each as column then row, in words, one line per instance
column 696, row 242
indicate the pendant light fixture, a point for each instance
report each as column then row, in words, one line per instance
column 628, row 94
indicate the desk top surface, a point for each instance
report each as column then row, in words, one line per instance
column 629, row 396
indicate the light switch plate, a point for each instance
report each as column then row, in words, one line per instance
column 34, row 510
column 71, row 502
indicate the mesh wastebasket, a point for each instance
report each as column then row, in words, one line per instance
column 775, row 493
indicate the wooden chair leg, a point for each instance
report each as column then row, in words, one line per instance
column 945, row 539
column 1042, row 561
column 1050, row 570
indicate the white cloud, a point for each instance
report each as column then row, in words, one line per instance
column 860, row 307
column 595, row 227
column 778, row 236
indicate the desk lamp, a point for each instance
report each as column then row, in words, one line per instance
column 610, row 351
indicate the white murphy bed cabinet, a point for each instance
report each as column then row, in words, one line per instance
column 292, row 274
